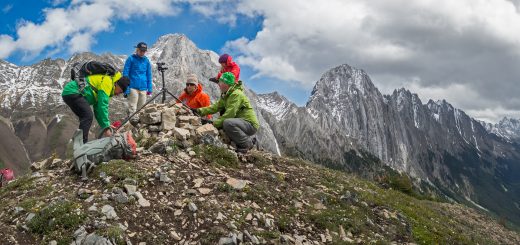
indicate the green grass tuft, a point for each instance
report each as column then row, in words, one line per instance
column 114, row 233
column 23, row 183
column 120, row 170
column 58, row 221
column 217, row 155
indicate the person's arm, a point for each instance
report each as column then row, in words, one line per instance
column 204, row 102
column 212, row 109
column 183, row 96
column 126, row 72
column 101, row 109
column 219, row 75
column 149, row 77
column 104, row 88
column 128, row 64
column 234, row 102
column 236, row 71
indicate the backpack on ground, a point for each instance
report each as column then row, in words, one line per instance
column 79, row 71
column 6, row 175
column 92, row 153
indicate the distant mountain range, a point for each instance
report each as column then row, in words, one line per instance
column 346, row 122
column 347, row 117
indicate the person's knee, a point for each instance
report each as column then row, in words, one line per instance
column 87, row 118
column 227, row 124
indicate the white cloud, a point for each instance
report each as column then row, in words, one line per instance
column 80, row 43
column 76, row 25
column 220, row 10
column 8, row 45
column 58, row 2
column 7, row 8
column 437, row 44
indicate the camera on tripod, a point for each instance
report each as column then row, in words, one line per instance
column 161, row 66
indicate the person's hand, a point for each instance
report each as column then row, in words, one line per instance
column 116, row 124
column 194, row 111
column 108, row 132
column 148, row 93
column 205, row 121
column 213, row 79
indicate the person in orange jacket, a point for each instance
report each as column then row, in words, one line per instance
column 193, row 96
column 227, row 65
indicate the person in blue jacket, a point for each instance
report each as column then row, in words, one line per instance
column 139, row 70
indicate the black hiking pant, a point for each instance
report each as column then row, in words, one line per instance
column 81, row 108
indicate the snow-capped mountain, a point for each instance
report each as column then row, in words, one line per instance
column 508, row 128
column 434, row 142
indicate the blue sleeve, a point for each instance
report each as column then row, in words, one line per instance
column 126, row 69
column 149, row 76
column 126, row 72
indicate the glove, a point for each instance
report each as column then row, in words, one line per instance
column 194, row 111
column 116, row 124
column 205, row 121
column 213, row 79
column 148, row 93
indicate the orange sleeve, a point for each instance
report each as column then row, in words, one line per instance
column 183, row 96
column 205, row 102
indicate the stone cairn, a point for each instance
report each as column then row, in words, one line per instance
column 161, row 127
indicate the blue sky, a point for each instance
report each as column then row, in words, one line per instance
column 206, row 33
column 438, row 49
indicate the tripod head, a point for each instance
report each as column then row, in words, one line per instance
column 161, row 66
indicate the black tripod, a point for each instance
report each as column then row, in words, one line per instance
column 164, row 90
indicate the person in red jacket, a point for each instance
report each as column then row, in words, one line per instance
column 227, row 65
column 193, row 96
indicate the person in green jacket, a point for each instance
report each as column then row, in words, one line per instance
column 239, row 119
column 97, row 92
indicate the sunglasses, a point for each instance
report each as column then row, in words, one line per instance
column 190, row 84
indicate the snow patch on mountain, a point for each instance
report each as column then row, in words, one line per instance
column 275, row 104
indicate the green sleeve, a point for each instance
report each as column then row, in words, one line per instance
column 101, row 109
column 233, row 104
column 212, row 109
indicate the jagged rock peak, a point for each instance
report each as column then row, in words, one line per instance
column 404, row 97
column 508, row 128
column 275, row 104
column 179, row 41
column 345, row 77
column 340, row 83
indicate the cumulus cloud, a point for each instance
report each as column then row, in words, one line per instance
column 7, row 8
column 7, row 44
column 464, row 45
column 80, row 42
column 76, row 25
column 57, row 2
column 220, row 10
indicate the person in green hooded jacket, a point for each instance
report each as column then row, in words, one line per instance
column 97, row 92
column 239, row 119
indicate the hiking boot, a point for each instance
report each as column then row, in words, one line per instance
column 246, row 149
column 242, row 150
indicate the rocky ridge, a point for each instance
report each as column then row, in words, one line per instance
column 187, row 187
column 507, row 128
